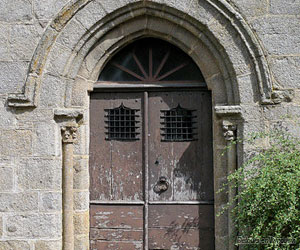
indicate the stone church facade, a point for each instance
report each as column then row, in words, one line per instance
column 51, row 55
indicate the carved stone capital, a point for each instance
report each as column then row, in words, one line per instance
column 229, row 130
column 69, row 134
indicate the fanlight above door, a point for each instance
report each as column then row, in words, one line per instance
column 151, row 60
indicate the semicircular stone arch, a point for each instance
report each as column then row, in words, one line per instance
column 214, row 23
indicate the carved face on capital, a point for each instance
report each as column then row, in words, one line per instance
column 69, row 134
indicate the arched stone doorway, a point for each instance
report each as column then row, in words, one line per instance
column 74, row 49
column 151, row 155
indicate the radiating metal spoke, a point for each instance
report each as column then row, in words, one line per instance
column 172, row 71
column 162, row 64
column 140, row 65
column 128, row 71
column 150, row 64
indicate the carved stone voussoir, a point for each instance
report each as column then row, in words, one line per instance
column 69, row 134
column 229, row 130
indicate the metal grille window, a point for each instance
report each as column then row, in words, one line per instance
column 178, row 124
column 122, row 124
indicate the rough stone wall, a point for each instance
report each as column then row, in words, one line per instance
column 276, row 24
column 30, row 149
column 30, row 165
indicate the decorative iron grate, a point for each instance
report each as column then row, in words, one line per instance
column 122, row 124
column 178, row 125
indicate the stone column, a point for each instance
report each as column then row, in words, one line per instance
column 68, row 138
column 229, row 129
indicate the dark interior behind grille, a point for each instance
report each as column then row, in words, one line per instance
column 121, row 124
column 178, row 125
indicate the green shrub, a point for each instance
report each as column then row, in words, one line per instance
column 268, row 199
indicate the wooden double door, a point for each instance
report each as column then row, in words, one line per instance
column 151, row 170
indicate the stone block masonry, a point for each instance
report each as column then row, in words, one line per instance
column 51, row 52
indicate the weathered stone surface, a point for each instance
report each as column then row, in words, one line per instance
column 47, row 9
column 80, row 93
column 72, row 33
column 110, row 6
column 39, row 174
column 180, row 5
column 222, row 241
column 18, row 202
column 278, row 37
column 251, row 112
column 15, row 10
column 251, row 8
column 12, row 76
column 8, row 119
column 81, row 200
column 286, row 71
column 1, row 226
column 81, row 223
column 202, row 11
column 35, row 115
column 290, row 126
column 15, row 142
column 293, row 112
column 42, row 147
column 4, row 43
column 81, row 173
column 81, row 147
column 34, row 226
column 289, row 7
column 48, row 245
column 283, row 95
column 42, row 50
column 254, row 127
column 81, row 242
column 248, row 91
column 222, row 231
column 53, row 91
column 232, row 44
column 220, row 88
column 58, row 59
column 50, row 201
column 23, row 41
column 6, row 179
column 275, row 112
column 14, row 245
column 91, row 14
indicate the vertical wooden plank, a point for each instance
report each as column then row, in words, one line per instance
column 100, row 149
column 146, row 168
column 206, row 113
column 161, row 154
column 188, row 157
column 127, row 162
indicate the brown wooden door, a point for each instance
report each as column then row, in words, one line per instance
column 151, row 170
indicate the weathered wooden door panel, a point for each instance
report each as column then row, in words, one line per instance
column 186, row 163
column 116, row 226
column 115, row 165
column 183, row 215
column 116, row 245
column 181, row 227
column 171, row 207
